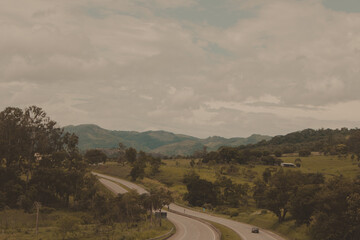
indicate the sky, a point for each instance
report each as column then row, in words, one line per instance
column 229, row 68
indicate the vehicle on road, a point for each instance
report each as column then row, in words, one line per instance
column 255, row 230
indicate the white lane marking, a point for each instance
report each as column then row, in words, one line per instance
column 212, row 230
column 185, row 230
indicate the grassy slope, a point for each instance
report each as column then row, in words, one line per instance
column 226, row 233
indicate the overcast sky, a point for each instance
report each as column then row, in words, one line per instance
column 197, row 67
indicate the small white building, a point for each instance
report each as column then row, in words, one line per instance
column 288, row 165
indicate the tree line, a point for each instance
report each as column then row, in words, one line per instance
column 39, row 162
column 327, row 141
column 223, row 191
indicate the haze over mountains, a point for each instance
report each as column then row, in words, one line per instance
column 167, row 143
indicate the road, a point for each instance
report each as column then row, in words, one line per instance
column 242, row 229
column 186, row 228
column 115, row 188
column 128, row 184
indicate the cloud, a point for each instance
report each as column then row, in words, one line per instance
column 132, row 65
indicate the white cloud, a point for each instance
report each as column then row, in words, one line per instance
column 120, row 64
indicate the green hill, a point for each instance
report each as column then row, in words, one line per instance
column 167, row 143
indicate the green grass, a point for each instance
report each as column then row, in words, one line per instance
column 113, row 169
column 17, row 225
column 268, row 220
column 226, row 233
column 328, row 165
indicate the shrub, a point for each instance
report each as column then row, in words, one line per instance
column 68, row 225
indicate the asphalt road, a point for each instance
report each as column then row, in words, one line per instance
column 186, row 228
column 128, row 184
column 242, row 229
column 115, row 188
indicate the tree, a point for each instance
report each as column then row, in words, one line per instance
column 231, row 193
column 158, row 198
column 304, row 153
column 155, row 164
column 354, row 143
column 200, row 191
column 138, row 170
column 25, row 134
column 303, row 203
column 266, row 175
column 337, row 213
column 95, row 156
column 276, row 196
column 131, row 155
column 278, row 153
column 121, row 150
column 32, row 145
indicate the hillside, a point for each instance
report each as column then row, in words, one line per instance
column 167, row 143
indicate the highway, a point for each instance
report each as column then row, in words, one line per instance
column 242, row 229
column 186, row 228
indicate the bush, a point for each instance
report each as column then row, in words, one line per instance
column 234, row 213
column 304, row 153
column 47, row 210
column 68, row 225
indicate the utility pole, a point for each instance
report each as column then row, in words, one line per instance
column 37, row 205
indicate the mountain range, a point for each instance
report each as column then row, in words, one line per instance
column 166, row 143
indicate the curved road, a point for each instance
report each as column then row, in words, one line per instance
column 186, row 228
column 242, row 229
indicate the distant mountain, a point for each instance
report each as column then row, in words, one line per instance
column 167, row 143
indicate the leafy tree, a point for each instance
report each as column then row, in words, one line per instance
column 354, row 143
column 68, row 225
column 121, row 150
column 131, row 155
column 138, row 170
column 266, row 175
column 200, row 191
column 337, row 212
column 231, row 193
column 32, row 145
column 95, row 156
column 304, row 153
column 303, row 203
column 278, row 153
column 155, row 164
column 276, row 196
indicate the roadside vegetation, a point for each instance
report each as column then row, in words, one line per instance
column 48, row 192
column 226, row 233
